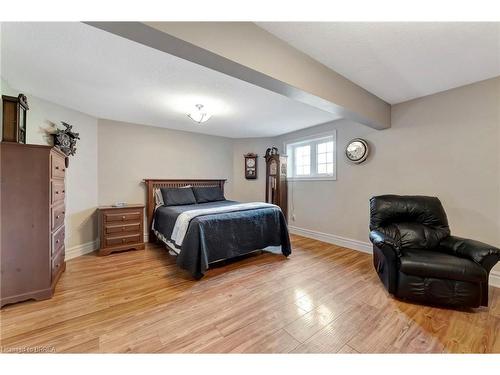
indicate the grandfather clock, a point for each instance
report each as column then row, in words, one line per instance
column 276, row 185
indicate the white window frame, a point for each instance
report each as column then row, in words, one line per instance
column 313, row 141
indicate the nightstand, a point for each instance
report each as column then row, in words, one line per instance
column 121, row 228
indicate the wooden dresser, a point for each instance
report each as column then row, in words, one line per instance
column 32, row 231
column 121, row 228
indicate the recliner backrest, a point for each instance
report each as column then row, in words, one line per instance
column 412, row 221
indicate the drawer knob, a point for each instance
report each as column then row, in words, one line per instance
column 57, row 192
column 57, row 265
column 57, row 241
column 63, row 169
column 57, row 167
column 123, row 217
column 57, row 217
column 63, row 191
column 123, row 240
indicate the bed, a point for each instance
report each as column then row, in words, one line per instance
column 201, row 234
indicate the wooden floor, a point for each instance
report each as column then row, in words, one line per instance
column 323, row 298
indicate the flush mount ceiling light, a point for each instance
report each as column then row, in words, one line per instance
column 199, row 115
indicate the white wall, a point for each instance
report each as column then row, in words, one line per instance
column 129, row 153
column 81, row 182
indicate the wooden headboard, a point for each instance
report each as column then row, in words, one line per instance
column 152, row 184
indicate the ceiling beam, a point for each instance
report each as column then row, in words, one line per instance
column 245, row 51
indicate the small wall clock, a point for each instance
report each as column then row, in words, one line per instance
column 250, row 166
column 14, row 118
column 357, row 150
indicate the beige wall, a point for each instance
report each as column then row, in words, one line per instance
column 445, row 144
column 128, row 153
column 249, row 190
column 81, row 182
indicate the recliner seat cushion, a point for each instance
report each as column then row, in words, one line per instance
column 432, row 263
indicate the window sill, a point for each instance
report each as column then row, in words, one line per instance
column 294, row 179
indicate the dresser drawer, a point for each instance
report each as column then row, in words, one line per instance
column 58, row 191
column 122, row 216
column 58, row 167
column 57, row 240
column 122, row 228
column 57, row 214
column 57, row 263
column 123, row 240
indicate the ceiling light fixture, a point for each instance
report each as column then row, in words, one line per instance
column 199, row 115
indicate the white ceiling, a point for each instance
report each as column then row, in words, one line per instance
column 399, row 61
column 106, row 76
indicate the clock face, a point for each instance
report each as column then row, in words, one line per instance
column 357, row 150
column 64, row 140
column 273, row 167
column 250, row 163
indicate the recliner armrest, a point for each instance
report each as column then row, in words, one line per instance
column 381, row 240
column 484, row 254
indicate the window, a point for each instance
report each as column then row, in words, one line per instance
column 302, row 160
column 312, row 158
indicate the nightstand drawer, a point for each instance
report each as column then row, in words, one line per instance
column 123, row 240
column 122, row 228
column 122, row 216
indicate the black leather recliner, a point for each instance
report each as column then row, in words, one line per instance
column 417, row 259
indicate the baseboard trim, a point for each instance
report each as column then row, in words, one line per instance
column 495, row 278
column 364, row 247
column 88, row 247
column 82, row 249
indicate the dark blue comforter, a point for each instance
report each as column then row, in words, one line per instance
column 214, row 237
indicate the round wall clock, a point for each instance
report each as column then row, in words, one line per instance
column 357, row 150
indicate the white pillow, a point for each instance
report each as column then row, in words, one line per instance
column 158, row 198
